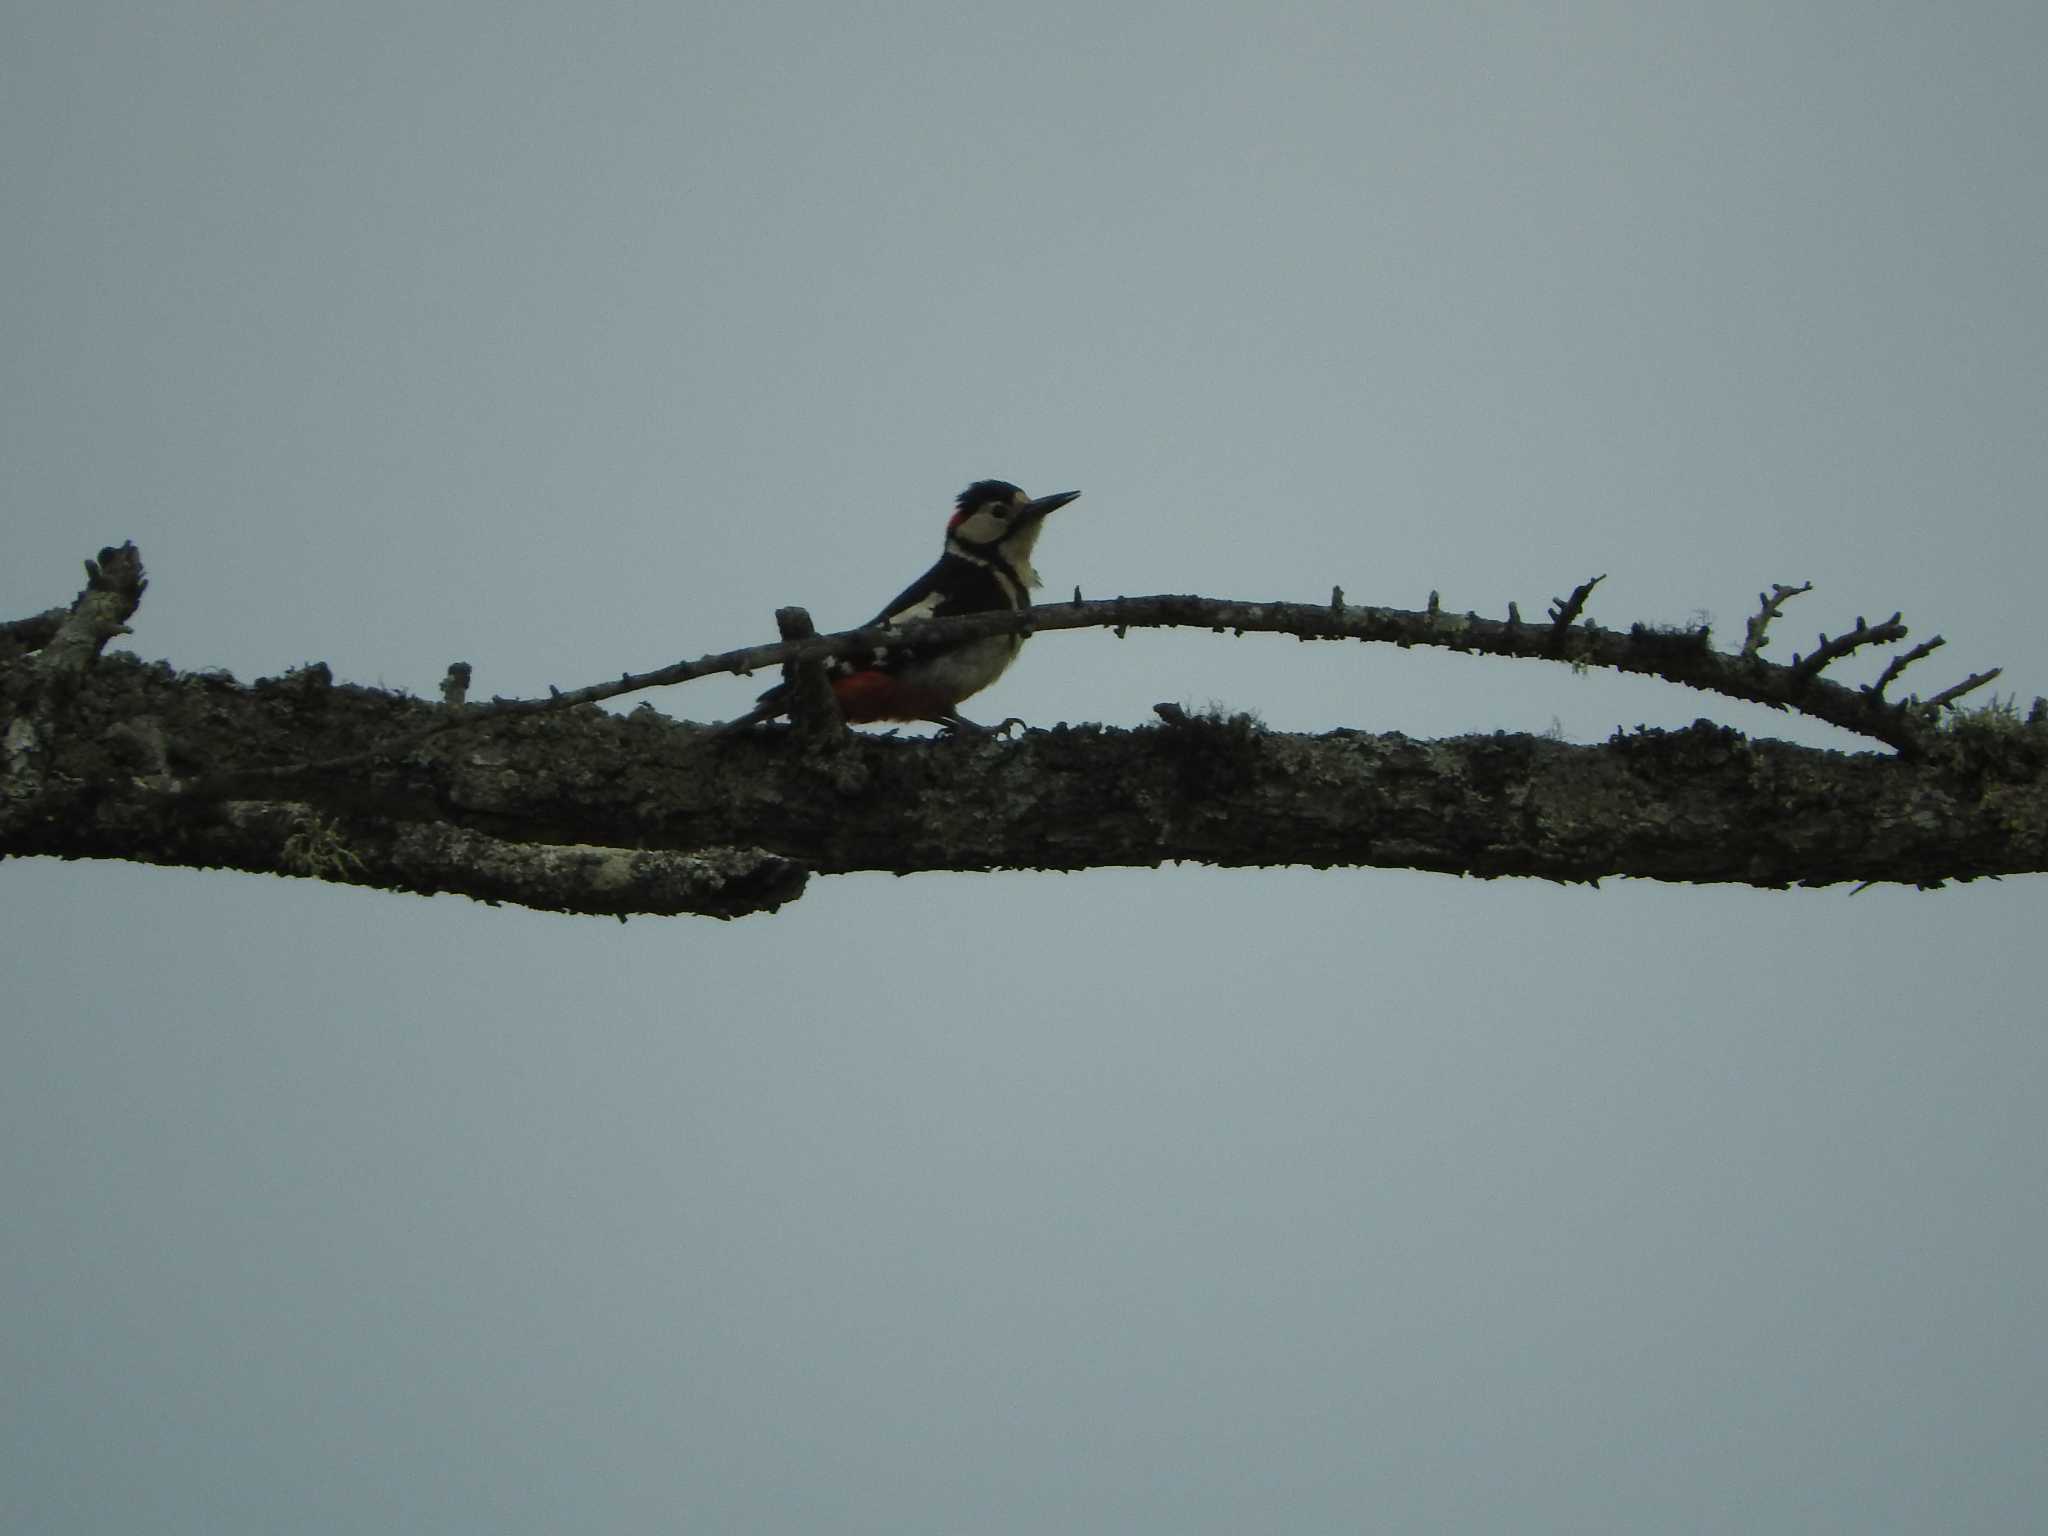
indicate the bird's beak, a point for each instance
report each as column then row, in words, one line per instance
column 1034, row 510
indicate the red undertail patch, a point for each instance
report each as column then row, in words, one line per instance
column 869, row 696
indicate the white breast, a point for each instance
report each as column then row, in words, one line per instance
column 967, row 669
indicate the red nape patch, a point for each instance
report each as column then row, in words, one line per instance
column 868, row 696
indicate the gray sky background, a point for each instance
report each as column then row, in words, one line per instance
column 570, row 340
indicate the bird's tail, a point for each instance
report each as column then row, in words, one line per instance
column 773, row 703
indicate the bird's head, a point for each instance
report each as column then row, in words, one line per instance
column 993, row 519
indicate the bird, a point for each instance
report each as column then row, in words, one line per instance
column 985, row 567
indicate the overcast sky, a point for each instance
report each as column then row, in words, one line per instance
column 570, row 340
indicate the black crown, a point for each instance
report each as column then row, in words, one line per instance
column 983, row 492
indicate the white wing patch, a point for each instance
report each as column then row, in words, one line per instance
column 923, row 608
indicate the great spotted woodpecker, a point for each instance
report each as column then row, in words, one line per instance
column 986, row 566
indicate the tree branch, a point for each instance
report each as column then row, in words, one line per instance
column 1969, row 684
column 592, row 812
column 1683, row 656
column 429, row 857
column 1830, row 651
column 1899, row 664
column 559, row 806
column 114, row 585
column 812, row 708
column 1772, row 606
column 1564, row 611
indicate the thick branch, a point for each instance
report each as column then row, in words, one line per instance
column 20, row 636
column 557, row 813
column 572, row 809
column 428, row 857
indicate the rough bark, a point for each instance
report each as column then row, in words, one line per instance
column 563, row 807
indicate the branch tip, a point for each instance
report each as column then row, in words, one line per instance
column 1832, row 650
column 1900, row 663
column 1770, row 605
column 114, row 584
column 1967, row 685
column 1564, row 610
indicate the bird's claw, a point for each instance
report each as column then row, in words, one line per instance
column 960, row 725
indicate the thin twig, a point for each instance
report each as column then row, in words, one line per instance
column 1566, row 609
column 1967, row 685
column 1772, row 607
column 1841, row 645
column 1900, row 663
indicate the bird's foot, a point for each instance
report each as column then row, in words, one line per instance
column 960, row 725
